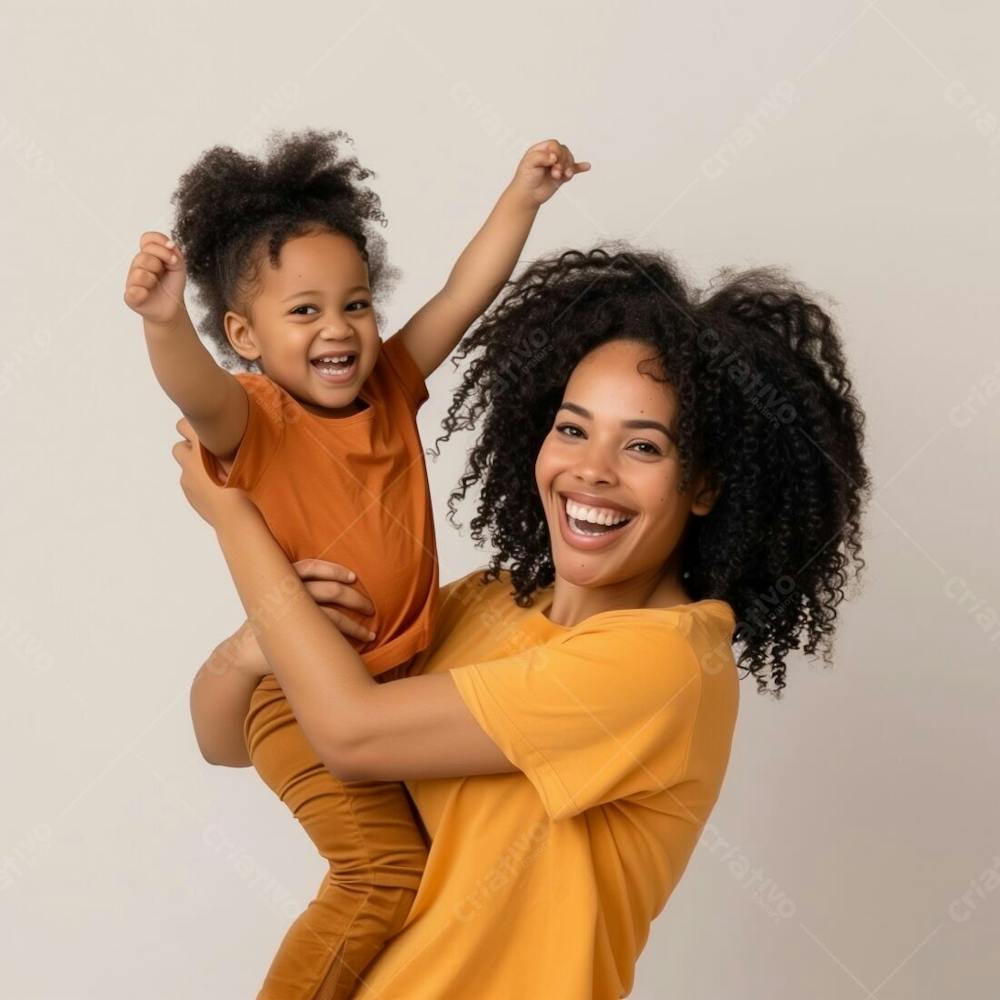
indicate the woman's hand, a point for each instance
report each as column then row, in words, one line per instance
column 212, row 501
column 329, row 585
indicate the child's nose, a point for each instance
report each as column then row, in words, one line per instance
column 337, row 330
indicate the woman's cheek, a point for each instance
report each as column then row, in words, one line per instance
column 543, row 476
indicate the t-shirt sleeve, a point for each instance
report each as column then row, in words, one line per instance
column 606, row 713
column 406, row 370
column 269, row 410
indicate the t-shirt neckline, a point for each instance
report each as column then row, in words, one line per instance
column 544, row 605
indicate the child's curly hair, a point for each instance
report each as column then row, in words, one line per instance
column 232, row 208
column 765, row 406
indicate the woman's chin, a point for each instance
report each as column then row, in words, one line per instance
column 582, row 569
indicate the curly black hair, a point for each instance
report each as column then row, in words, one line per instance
column 232, row 208
column 765, row 407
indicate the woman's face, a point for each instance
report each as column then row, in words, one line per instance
column 607, row 472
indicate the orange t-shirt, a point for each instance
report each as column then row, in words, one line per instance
column 352, row 490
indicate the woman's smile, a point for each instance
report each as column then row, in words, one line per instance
column 608, row 471
column 591, row 526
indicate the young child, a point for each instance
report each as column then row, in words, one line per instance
column 322, row 435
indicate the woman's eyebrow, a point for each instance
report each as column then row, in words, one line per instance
column 632, row 424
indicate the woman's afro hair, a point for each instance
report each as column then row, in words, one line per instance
column 765, row 406
column 233, row 211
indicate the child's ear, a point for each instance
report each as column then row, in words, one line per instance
column 240, row 336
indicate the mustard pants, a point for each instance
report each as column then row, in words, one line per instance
column 367, row 833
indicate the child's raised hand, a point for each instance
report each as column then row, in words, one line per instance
column 154, row 287
column 543, row 169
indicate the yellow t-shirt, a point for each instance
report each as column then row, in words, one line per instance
column 542, row 883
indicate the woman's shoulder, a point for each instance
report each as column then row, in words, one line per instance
column 684, row 618
column 696, row 638
column 475, row 587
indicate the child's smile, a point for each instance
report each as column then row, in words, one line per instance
column 311, row 323
column 335, row 367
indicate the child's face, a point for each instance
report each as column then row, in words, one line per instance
column 316, row 303
column 609, row 458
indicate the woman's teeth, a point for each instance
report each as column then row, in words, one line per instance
column 605, row 519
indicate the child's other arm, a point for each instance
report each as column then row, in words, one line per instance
column 220, row 700
column 210, row 397
column 488, row 261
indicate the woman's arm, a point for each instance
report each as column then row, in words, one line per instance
column 220, row 693
column 487, row 262
column 417, row 727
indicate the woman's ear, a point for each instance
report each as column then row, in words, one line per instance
column 706, row 492
column 240, row 336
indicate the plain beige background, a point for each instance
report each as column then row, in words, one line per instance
column 855, row 852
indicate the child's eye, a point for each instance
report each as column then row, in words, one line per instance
column 360, row 303
column 295, row 311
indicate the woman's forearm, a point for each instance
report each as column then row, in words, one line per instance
column 325, row 681
column 220, row 699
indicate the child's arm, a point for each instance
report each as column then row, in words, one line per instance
column 210, row 397
column 488, row 261
column 220, row 700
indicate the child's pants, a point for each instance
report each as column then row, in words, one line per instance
column 367, row 833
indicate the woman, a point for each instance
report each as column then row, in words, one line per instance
column 661, row 475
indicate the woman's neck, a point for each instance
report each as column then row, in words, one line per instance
column 572, row 603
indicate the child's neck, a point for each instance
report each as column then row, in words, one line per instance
column 356, row 405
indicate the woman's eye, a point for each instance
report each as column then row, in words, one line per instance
column 571, row 430
column 650, row 449
column 561, row 428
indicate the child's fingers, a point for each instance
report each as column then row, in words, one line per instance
column 149, row 263
column 543, row 157
column 328, row 592
column 562, row 166
column 135, row 295
column 323, row 569
column 141, row 281
column 544, row 147
column 168, row 257
column 155, row 237
column 348, row 625
column 138, row 286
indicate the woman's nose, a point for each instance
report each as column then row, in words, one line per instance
column 595, row 464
